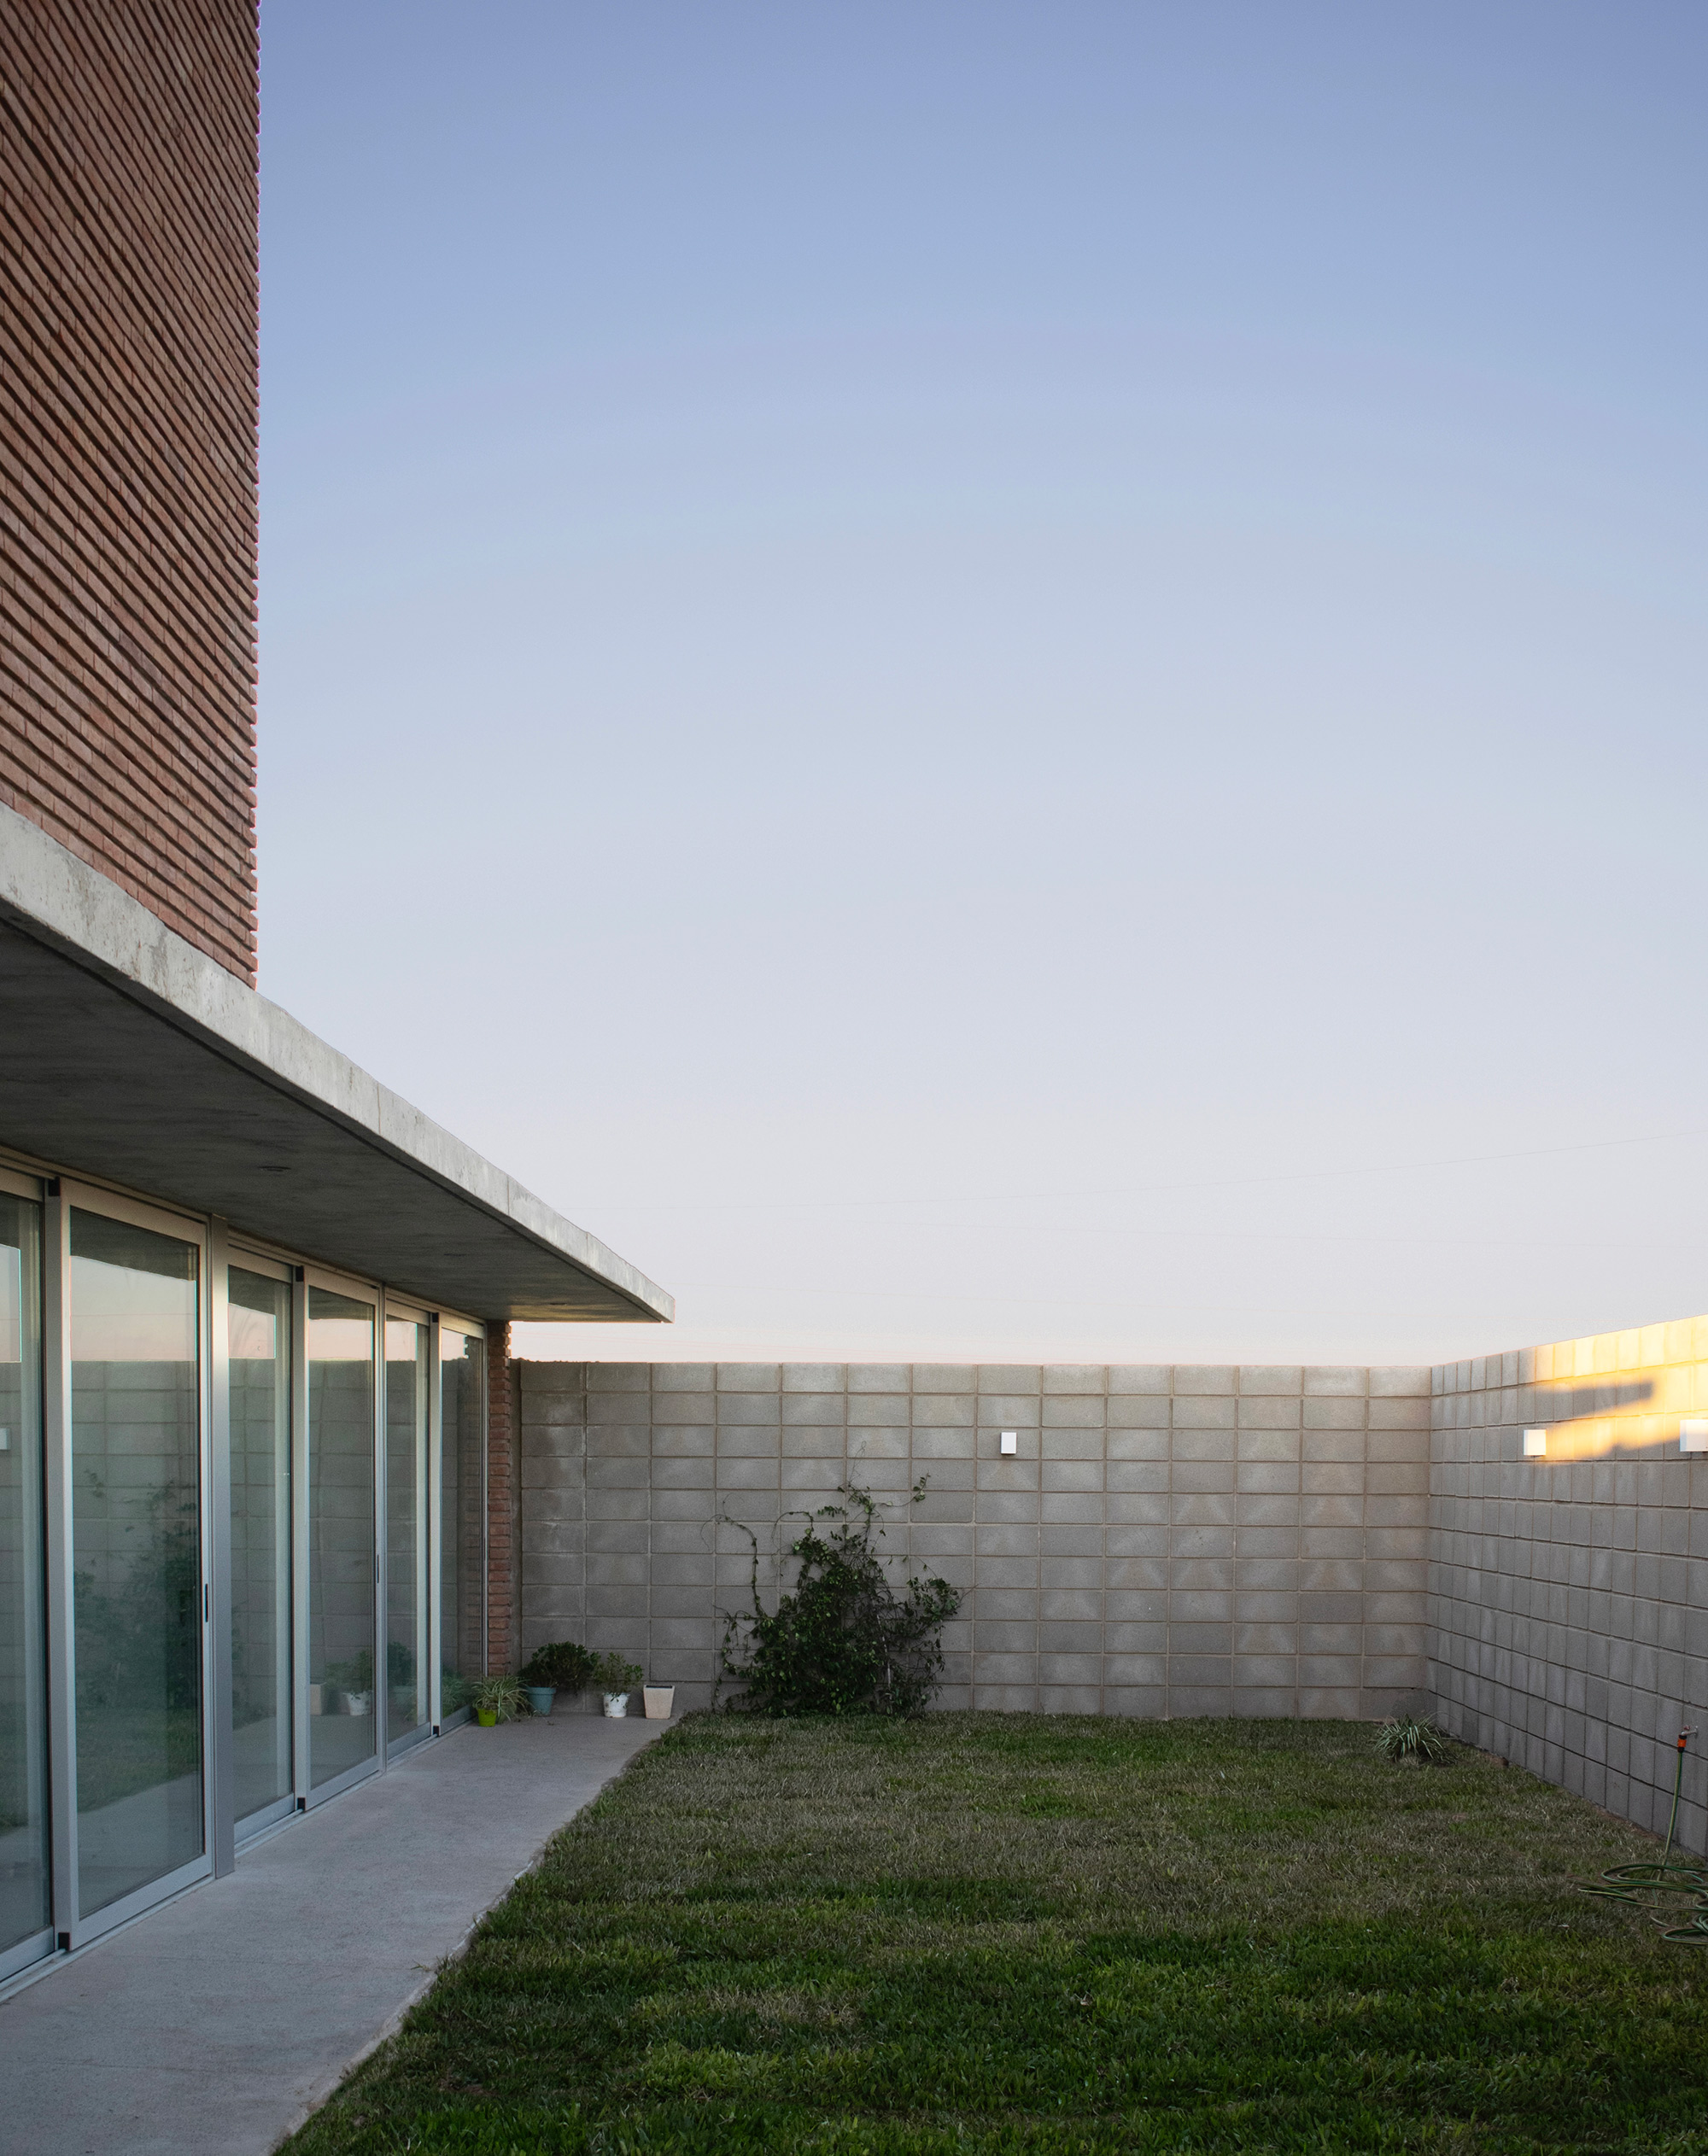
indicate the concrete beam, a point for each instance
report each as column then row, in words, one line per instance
column 127, row 1054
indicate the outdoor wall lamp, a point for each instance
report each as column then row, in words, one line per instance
column 1010, row 1440
column 1535, row 1444
column 1692, row 1433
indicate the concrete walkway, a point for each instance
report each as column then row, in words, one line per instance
column 215, row 2025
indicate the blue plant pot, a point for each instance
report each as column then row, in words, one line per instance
column 540, row 1697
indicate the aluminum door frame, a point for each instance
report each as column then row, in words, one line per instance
column 26, row 1952
column 221, row 1783
column 412, row 1313
column 308, row 1797
column 248, row 1258
column 72, row 1929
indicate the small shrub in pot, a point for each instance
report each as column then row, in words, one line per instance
column 616, row 1678
column 354, row 1683
column 560, row 1666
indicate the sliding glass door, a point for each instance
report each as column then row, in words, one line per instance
column 351, row 1526
column 258, row 1359
column 343, row 1720
column 354, row 1544
column 135, row 1486
column 25, row 1913
column 408, row 1704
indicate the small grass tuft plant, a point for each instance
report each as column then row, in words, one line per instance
column 844, row 1642
column 500, row 1697
column 1412, row 1738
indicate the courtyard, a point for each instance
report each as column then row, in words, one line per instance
column 990, row 1932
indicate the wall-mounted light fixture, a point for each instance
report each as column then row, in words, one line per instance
column 1536, row 1445
column 1010, row 1442
column 1692, row 1433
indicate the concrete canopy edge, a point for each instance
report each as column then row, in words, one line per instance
column 63, row 904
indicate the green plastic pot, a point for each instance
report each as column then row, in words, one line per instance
column 486, row 1717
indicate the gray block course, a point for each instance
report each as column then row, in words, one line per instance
column 1566, row 1612
column 1150, row 1550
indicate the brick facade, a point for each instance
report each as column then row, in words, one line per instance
column 128, row 344
column 502, row 1492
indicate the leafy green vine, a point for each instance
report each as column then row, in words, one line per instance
column 845, row 1641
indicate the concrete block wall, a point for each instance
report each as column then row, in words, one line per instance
column 1568, row 1593
column 1169, row 1541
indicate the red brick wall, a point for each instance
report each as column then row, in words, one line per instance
column 127, row 447
column 503, row 1636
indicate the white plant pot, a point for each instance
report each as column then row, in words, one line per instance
column 660, row 1700
column 617, row 1704
column 358, row 1702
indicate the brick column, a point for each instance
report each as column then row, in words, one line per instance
column 502, row 1634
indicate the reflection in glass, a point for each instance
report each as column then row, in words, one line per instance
column 405, row 1528
column 462, row 1367
column 258, row 1322
column 341, row 1534
column 23, row 1763
column 136, row 1500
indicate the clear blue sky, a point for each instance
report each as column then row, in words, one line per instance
column 978, row 678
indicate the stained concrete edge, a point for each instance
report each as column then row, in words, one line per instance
column 217, row 2025
column 649, row 1733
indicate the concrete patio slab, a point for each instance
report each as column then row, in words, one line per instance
column 211, row 2027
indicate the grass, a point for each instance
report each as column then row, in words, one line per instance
column 1016, row 1936
column 128, row 1748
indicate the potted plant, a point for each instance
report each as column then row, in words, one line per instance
column 615, row 1679
column 496, row 1699
column 400, row 1674
column 353, row 1681
column 660, row 1701
column 560, row 1666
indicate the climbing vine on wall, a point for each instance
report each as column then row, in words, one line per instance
column 846, row 1640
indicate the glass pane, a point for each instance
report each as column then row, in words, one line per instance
column 462, row 1364
column 405, row 1527
column 341, row 1534
column 258, row 1327
column 136, row 1520
column 23, row 1750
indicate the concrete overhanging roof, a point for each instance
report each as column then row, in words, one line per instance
column 126, row 1053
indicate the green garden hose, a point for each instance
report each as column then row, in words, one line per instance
column 1665, row 1892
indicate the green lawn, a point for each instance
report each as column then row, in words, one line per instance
column 127, row 1749
column 991, row 1932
